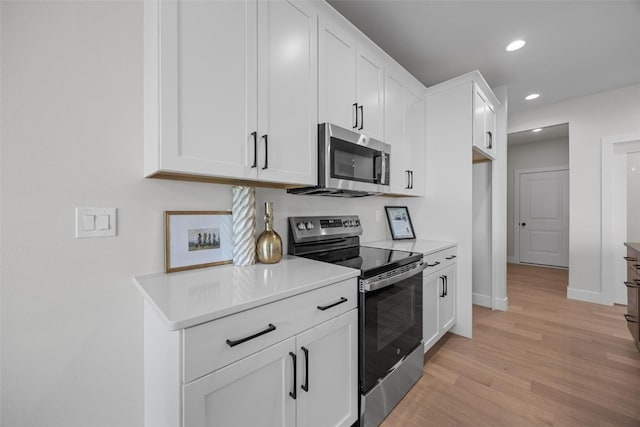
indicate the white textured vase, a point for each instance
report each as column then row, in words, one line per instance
column 244, row 225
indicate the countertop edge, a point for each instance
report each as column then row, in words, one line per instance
column 178, row 324
column 633, row 245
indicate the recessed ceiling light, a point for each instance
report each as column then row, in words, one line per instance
column 537, row 130
column 532, row 96
column 515, row 45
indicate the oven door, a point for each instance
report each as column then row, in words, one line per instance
column 352, row 161
column 391, row 321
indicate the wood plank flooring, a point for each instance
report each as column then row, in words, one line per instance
column 548, row 361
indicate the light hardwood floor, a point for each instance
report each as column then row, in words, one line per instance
column 548, row 361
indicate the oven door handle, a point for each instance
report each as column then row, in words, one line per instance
column 368, row 285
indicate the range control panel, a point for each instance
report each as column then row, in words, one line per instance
column 311, row 228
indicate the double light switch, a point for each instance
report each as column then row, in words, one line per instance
column 95, row 222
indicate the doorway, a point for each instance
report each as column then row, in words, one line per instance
column 542, row 216
column 615, row 150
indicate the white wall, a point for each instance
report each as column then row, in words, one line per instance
column 540, row 154
column 71, row 319
column 633, row 197
column 590, row 119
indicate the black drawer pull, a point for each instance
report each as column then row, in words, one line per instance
column 328, row 306
column 295, row 369
column 629, row 318
column 451, row 257
column 629, row 258
column 305, row 386
column 434, row 264
column 233, row 343
column 631, row 284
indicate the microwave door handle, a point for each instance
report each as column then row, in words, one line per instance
column 383, row 171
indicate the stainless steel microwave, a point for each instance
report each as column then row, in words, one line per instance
column 350, row 164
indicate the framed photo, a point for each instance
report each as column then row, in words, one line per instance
column 400, row 223
column 196, row 239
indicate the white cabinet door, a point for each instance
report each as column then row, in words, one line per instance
column 251, row 392
column 287, row 91
column 430, row 305
column 490, row 129
column 200, row 121
column 395, row 100
column 483, row 123
column 447, row 297
column 327, row 373
column 415, row 135
column 337, row 75
column 370, row 93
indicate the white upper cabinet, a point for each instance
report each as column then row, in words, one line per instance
column 337, row 77
column 484, row 123
column 230, row 90
column 351, row 80
column 405, row 131
column 287, row 91
column 415, row 137
column 370, row 93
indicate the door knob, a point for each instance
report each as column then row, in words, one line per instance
column 524, row 224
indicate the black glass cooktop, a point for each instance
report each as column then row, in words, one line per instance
column 370, row 261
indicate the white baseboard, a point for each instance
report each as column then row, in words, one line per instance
column 512, row 260
column 483, row 300
column 582, row 295
column 501, row 304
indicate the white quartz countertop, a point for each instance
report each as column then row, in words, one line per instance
column 187, row 298
column 425, row 247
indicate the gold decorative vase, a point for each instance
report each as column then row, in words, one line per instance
column 269, row 244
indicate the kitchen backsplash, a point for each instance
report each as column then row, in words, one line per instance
column 369, row 209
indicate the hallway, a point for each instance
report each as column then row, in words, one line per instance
column 547, row 361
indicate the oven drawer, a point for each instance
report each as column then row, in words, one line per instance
column 440, row 259
column 206, row 348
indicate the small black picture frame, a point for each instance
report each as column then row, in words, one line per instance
column 399, row 222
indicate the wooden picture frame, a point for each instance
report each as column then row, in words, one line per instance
column 399, row 222
column 197, row 239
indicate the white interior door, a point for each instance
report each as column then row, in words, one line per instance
column 544, row 218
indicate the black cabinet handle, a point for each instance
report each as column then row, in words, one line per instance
column 254, row 134
column 446, row 286
column 451, row 257
column 355, row 110
column 295, row 370
column 442, row 293
column 305, row 386
column 490, row 145
column 408, row 180
column 328, row 306
column 630, row 258
column 411, row 177
column 631, row 285
column 266, row 151
column 233, row 343
column 361, row 117
column 629, row 318
column 434, row 264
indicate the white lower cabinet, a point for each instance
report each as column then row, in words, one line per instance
column 263, row 390
column 439, row 296
column 292, row 362
column 327, row 366
column 251, row 392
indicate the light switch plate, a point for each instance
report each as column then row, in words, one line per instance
column 104, row 222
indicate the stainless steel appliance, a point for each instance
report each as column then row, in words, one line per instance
column 350, row 164
column 390, row 307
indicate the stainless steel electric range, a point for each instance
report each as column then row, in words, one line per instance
column 389, row 305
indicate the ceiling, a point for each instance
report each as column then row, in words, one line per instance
column 574, row 48
column 549, row 133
